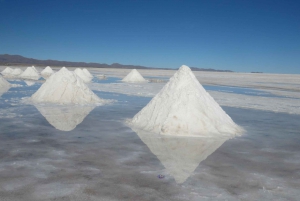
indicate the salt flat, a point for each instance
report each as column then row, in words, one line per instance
column 78, row 153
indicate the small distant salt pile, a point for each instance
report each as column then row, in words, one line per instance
column 65, row 87
column 134, row 77
column 30, row 73
column 184, row 108
column 101, row 77
column 16, row 72
column 47, row 72
column 7, row 71
column 83, row 75
column 4, row 85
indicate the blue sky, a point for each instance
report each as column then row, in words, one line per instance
column 242, row 35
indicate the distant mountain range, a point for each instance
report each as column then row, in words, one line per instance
column 17, row 60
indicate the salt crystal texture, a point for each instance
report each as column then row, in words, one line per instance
column 180, row 155
column 134, row 77
column 7, row 71
column 65, row 118
column 83, row 75
column 87, row 73
column 65, row 87
column 184, row 108
column 16, row 72
column 4, row 86
column 30, row 73
column 47, row 72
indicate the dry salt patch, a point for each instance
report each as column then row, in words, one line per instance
column 83, row 75
column 30, row 73
column 184, row 108
column 7, row 71
column 65, row 87
column 134, row 77
column 47, row 72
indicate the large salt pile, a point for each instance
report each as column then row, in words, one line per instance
column 83, row 75
column 65, row 87
column 7, row 71
column 30, row 73
column 47, row 72
column 4, row 85
column 184, row 108
column 180, row 155
column 16, row 72
column 87, row 73
column 134, row 77
column 66, row 117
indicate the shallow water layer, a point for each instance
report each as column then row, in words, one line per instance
column 100, row 158
column 240, row 90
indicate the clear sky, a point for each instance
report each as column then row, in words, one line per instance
column 241, row 35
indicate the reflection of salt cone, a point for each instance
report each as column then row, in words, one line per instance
column 180, row 155
column 64, row 118
column 29, row 83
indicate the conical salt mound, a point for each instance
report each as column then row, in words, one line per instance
column 180, row 155
column 47, row 72
column 7, row 71
column 133, row 77
column 184, row 108
column 16, row 72
column 30, row 73
column 80, row 73
column 65, row 118
column 87, row 73
column 4, row 86
column 65, row 87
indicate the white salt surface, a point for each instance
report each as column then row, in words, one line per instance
column 3, row 82
column 83, row 75
column 134, row 76
column 274, row 104
column 87, row 73
column 65, row 87
column 47, row 72
column 30, row 73
column 7, row 71
column 184, row 108
column 17, row 72
column 4, row 86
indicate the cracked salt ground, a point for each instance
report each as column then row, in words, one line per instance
column 101, row 154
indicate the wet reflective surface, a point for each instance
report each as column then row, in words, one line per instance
column 100, row 158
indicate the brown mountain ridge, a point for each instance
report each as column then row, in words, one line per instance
column 18, row 60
